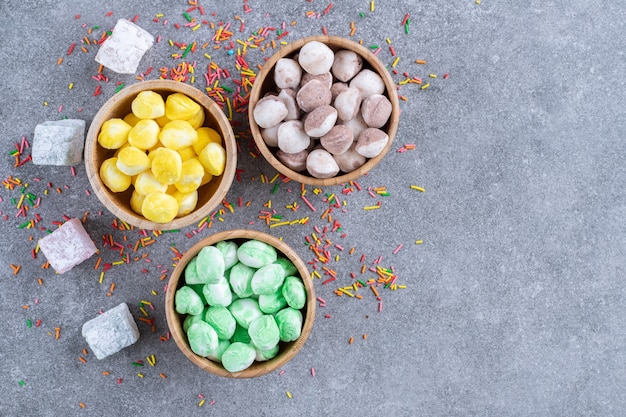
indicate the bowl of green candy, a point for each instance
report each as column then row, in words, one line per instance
column 240, row 304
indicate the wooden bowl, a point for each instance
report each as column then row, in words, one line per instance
column 264, row 83
column 287, row 350
column 210, row 195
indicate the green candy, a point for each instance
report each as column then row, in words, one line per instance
column 294, row 292
column 272, row 303
column 191, row 274
column 210, row 265
column 218, row 294
column 288, row 266
column 240, row 277
column 186, row 301
column 241, row 335
column 189, row 320
column 238, row 356
column 229, row 252
column 221, row 320
column 216, row 355
column 266, row 355
column 264, row 332
column 202, row 338
column 289, row 323
column 244, row 310
column 256, row 254
column 267, row 279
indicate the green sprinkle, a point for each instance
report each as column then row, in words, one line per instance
column 22, row 383
column 23, row 225
column 119, row 87
column 406, row 26
column 361, row 14
column 275, row 188
column 230, row 90
column 374, row 47
column 187, row 16
column 28, row 323
column 137, row 364
column 187, row 49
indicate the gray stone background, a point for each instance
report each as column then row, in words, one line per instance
column 514, row 303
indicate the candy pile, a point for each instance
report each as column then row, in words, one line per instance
column 164, row 152
column 240, row 301
column 328, row 96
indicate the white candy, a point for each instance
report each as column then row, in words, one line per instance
column 346, row 65
column 59, row 142
column 67, row 246
column 123, row 50
column 288, row 96
column 368, row 82
column 316, row 58
column 348, row 103
column 371, row 142
column 270, row 135
column 357, row 124
column 292, row 138
column 350, row 159
column 320, row 121
column 269, row 111
column 287, row 73
column 321, row 164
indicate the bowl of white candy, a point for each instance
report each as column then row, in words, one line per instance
column 323, row 110
column 240, row 304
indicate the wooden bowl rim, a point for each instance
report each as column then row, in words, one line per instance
column 174, row 321
column 210, row 107
column 338, row 43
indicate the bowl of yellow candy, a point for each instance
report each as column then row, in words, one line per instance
column 160, row 155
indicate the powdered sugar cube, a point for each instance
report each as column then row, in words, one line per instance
column 111, row 331
column 67, row 246
column 123, row 50
column 59, row 142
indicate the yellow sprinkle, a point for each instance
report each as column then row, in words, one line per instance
column 117, row 263
column 419, row 242
column 207, row 56
column 201, row 403
column 171, row 42
column 196, row 27
column 278, row 224
column 395, row 61
column 346, row 292
column 71, row 86
column 143, row 311
column 477, row 1
column 289, row 394
column 432, row 75
column 402, row 286
column 388, row 41
column 371, row 207
column 154, row 292
column 372, row 6
column 101, row 276
column 159, row 15
column 140, row 375
column 425, row 86
column 418, row 188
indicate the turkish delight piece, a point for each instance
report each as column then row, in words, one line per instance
column 59, row 142
column 123, row 50
column 111, row 331
column 67, row 246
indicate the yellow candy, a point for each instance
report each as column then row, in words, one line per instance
column 148, row 105
column 131, row 119
column 197, row 120
column 187, row 153
column 145, row 134
column 213, row 157
column 112, row 177
column 145, row 184
column 178, row 134
column 205, row 136
column 114, row 133
column 136, row 201
column 191, row 176
column 159, row 207
column 206, row 178
column 186, row 202
column 166, row 165
column 132, row 161
column 162, row 121
column 180, row 107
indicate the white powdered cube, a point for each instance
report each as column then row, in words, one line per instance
column 59, row 142
column 67, row 246
column 123, row 50
column 111, row 331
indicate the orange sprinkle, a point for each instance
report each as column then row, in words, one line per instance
column 163, row 376
column 351, row 340
column 40, row 281
column 57, row 331
column 83, row 360
column 82, row 405
column 105, row 373
column 84, row 351
column 374, row 291
column 97, row 263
